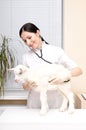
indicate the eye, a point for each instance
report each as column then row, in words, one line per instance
column 20, row 71
column 29, row 37
column 24, row 41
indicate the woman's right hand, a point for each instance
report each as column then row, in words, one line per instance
column 25, row 86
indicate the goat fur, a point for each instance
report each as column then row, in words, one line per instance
column 41, row 79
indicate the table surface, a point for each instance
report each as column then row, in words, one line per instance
column 31, row 118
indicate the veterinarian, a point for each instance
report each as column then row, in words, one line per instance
column 40, row 52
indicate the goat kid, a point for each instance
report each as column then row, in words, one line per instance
column 42, row 79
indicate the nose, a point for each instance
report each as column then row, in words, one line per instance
column 16, row 80
column 28, row 43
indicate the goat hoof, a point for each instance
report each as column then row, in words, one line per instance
column 71, row 111
column 43, row 112
column 62, row 109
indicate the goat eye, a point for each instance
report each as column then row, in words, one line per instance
column 20, row 73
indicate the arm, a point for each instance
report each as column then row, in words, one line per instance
column 76, row 71
column 70, row 64
column 29, row 85
column 25, row 86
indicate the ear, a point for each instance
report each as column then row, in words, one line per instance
column 38, row 32
column 10, row 69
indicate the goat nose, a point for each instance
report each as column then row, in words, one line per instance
column 16, row 80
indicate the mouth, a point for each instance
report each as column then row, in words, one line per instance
column 31, row 45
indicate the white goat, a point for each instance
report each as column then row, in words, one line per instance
column 41, row 79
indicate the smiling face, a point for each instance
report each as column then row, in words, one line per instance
column 32, row 40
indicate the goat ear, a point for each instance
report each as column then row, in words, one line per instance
column 10, row 69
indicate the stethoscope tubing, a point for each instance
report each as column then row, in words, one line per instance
column 41, row 56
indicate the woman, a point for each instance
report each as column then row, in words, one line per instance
column 41, row 52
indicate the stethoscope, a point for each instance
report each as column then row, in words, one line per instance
column 41, row 56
